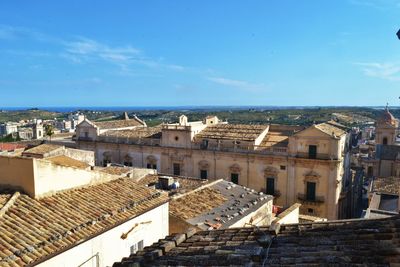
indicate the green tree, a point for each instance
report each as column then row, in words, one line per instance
column 49, row 130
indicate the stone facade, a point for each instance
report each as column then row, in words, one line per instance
column 292, row 163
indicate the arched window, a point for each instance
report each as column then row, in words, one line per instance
column 128, row 160
column 151, row 162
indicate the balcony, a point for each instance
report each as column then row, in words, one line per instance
column 319, row 156
column 263, row 150
column 276, row 193
column 317, row 200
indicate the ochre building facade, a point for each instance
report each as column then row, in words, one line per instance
column 294, row 164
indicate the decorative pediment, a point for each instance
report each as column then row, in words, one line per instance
column 312, row 175
column 235, row 168
column 204, row 165
column 151, row 159
column 176, row 157
column 270, row 171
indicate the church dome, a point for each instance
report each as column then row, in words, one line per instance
column 387, row 118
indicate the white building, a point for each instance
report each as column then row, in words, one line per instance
column 56, row 211
column 8, row 128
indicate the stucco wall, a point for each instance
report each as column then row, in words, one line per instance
column 50, row 178
column 18, row 172
column 81, row 155
column 109, row 245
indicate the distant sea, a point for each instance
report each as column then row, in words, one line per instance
column 214, row 108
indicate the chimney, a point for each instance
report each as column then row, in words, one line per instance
column 165, row 182
column 126, row 116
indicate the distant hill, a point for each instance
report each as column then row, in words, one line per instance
column 17, row 115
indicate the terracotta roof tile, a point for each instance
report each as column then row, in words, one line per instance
column 330, row 129
column 114, row 124
column 42, row 149
column 390, row 185
column 140, row 132
column 242, row 132
column 68, row 162
column 10, row 146
column 335, row 243
column 66, row 218
column 196, row 203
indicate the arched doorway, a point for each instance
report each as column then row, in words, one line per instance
column 385, row 141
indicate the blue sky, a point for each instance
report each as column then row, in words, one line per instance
column 152, row 53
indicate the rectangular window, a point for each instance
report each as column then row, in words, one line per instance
column 137, row 247
column 283, row 167
column 235, row 178
column 203, row 174
column 270, row 186
column 86, row 134
column 177, row 169
column 312, row 152
column 148, row 166
column 311, row 186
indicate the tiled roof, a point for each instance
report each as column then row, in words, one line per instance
column 330, row 129
column 335, row 243
column 32, row 229
column 304, row 218
column 220, row 204
column 241, row 132
column 42, row 149
column 193, row 205
column 390, row 185
column 275, row 139
column 186, row 184
column 141, row 132
column 68, row 162
column 338, row 125
column 115, row 170
column 115, row 124
column 10, row 146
